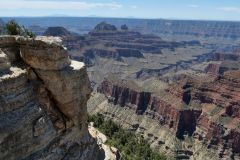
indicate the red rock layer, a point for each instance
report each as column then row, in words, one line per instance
column 167, row 113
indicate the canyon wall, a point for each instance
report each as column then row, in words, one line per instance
column 166, row 113
column 201, row 111
column 43, row 97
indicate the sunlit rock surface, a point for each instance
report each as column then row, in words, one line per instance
column 43, row 98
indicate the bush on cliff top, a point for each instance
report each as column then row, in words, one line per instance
column 13, row 28
column 131, row 146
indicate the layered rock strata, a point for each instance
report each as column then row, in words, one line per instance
column 106, row 41
column 203, row 109
column 43, row 97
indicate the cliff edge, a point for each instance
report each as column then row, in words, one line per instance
column 43, row 99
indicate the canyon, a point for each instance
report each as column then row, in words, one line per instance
column 201, row 113
column 183, row 97
column 187, row 108
column 176, row 83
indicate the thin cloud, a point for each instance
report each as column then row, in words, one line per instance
column 230, row 9
column 133, row 7
column 193, row 6
column 56, row 5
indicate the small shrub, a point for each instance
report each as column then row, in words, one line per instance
column 13, row 28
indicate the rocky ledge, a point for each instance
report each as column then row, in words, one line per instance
column 43, row 97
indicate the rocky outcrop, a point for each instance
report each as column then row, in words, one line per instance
column 212, row 69
column 43, row 97
column 111, row 152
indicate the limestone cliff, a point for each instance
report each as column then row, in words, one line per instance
column 43, row 98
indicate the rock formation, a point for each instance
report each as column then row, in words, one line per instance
column 111, row 152
column 57, row 31
column 103, row 26
column 212, row 69
column 43, row 97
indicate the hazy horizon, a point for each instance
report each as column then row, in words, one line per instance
column 223, row 10
column 136, row 18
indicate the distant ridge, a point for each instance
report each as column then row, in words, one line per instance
column 83, row 25
column 57, row 31
column 1, row 25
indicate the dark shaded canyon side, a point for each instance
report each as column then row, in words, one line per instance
column 187, row 123
column 143, row 102
column 123, row 96
column 187, row 93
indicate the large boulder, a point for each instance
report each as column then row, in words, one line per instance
column 49, row 55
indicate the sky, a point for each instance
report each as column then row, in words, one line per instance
column 167, row 9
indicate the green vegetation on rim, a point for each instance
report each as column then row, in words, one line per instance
column 131, row 146
column 13, row 28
